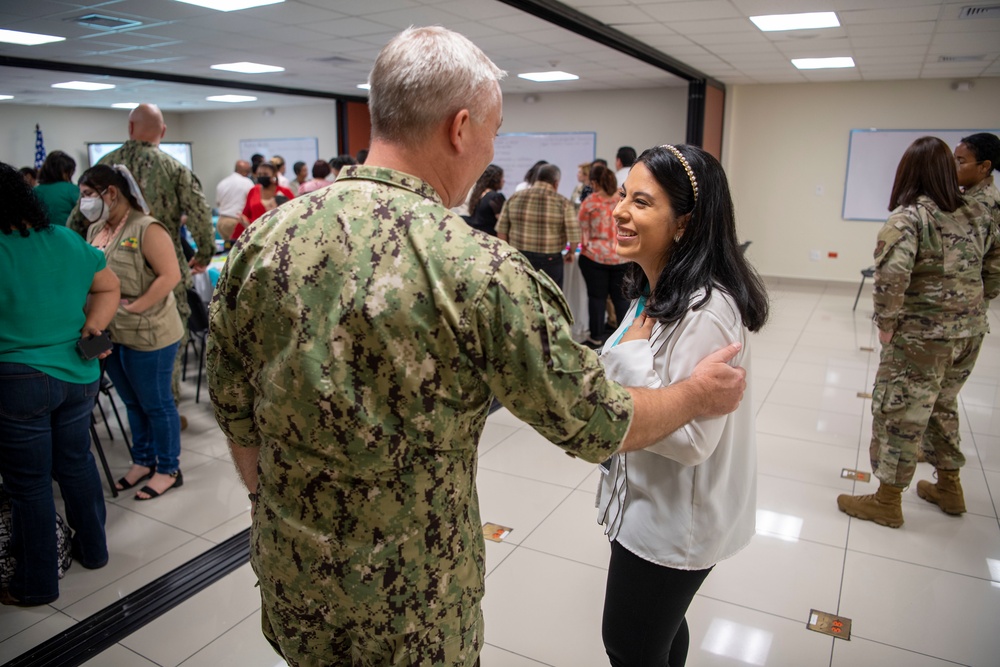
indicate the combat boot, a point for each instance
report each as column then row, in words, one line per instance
column 946, row 494
column 884, row 507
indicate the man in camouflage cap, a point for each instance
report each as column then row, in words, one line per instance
column 359, row 335
column 172, row 191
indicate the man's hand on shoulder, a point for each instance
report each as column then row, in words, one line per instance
column 721, row 385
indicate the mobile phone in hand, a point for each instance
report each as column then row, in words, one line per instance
column 94, row 346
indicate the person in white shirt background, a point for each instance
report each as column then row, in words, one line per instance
column 624, row 160
column 676, row 509
column 230, row 196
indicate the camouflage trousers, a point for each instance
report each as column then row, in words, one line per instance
column 180, row 296
column 915, row 404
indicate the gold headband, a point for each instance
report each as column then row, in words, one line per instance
column 687, row 168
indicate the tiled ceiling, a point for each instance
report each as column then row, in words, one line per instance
column 329, row 45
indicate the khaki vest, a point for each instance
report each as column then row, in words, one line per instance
column 160, row 325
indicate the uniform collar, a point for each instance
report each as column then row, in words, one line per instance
column 391, row 177
column 981, row 185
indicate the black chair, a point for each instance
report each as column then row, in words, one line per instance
column 105, row 388
column 198, row 330
column 865, row 273
column 744, row 246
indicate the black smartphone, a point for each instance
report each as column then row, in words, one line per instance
column 95, row 346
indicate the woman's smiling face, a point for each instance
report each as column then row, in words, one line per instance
column 646, row 221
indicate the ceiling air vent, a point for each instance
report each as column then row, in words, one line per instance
column 102, row 22
column 980, row 12
column 961, row 59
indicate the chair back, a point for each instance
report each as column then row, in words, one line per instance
column 198, row 319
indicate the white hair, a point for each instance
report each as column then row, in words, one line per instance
column 425, row 75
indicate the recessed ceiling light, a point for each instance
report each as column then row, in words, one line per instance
column 233, row 99
column 823, row 63
column 6, row 97
column 807, row 21
column 549, row 76
column 27, row 38
column 125, row 105
column 83, row 85
column 231, row 5
column 365, row 86
column 248, row 68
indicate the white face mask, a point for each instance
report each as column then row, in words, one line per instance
column 94, row 209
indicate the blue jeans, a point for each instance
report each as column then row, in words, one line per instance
column 45, row 435
column 142, row 380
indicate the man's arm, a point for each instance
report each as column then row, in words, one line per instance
column 245, row 459
column 199, row 218
column 714, row 389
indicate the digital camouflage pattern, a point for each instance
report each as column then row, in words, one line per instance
column 358, row 336
column 935, row 273
column 171, row 190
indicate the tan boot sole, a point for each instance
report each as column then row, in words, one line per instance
column 928, row 498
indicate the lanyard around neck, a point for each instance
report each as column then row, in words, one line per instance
column 638, row 311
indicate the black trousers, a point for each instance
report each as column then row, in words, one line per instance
column 603, row 280
column 549, row 263
column 644, row 608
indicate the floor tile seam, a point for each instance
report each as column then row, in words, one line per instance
column 211, row 641
column 530, row 479
column 571, row 560
column 922, row 565
column 520, row 655
column 794, row 437
column 772, row 614
column 789, row 404
column 151, row 518
column 904, row 648
column 42, row 619
column 546, row 517
column 127, row 574
column 800, row 481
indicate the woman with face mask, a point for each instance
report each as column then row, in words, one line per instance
column 266, row 196
column 146, row 329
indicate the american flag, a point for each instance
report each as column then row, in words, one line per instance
column 39, row 147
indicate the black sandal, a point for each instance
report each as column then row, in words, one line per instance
column 152, row 493
column 125, row 484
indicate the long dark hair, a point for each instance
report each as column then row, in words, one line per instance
column 604, row 178
column 58, row 167
column 100, row 176
column 490, row 180
column 707, row 256
column 927, row 168
column 21, row 210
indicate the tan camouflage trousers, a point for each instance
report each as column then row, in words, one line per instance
column 915, row 404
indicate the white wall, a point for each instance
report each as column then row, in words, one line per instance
column 64, row 129
column 782, row 142
column 637, row 118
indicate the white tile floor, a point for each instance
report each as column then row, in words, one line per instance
column 926, row 594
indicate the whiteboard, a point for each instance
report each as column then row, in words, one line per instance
column 871, row 167
column 305, row 149
column 515, row 152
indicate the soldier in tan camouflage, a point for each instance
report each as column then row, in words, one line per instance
column 171, row 190
column 937, row 266
column 977, row 156
column 358, row 337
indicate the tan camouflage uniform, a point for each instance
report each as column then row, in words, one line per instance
column 931, row 271
column 985, row 192
column 171, row 190
column 358, row 336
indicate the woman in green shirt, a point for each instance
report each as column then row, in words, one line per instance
column 55, row 187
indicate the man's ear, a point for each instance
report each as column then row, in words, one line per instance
column 458, row 129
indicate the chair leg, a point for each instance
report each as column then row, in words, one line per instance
column 105, row 418
column 184, row 361
column 860, row 287
column 100, row 454
column 201, row 366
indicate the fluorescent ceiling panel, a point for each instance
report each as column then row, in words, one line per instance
column 27, row 38
column 83, row 85
column 823, row 63
column 807, row 21
column 248, row 68
column 230, row 5
column 125, row 105
column 555, row 75
column 232, row 99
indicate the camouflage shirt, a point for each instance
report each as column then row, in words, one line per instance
column 985, row 192
column 171, row 190
column 358, row 336
column 931, row 269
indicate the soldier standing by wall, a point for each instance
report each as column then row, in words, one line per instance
column 937, row 266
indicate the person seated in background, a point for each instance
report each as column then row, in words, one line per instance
column 675, row 509
column 338, row 163
column 486, row 200
column 231, row 197
column 30, row 175
column 266, row 196
column 320, row 171
column 301, row 170
column 55, row 187
column 56, row 290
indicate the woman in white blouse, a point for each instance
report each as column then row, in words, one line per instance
column 674, row 510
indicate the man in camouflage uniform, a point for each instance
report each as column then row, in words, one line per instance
column 935, row 272
column 358, row 337
column 171, row 190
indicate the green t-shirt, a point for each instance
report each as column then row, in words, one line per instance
column 47, row 277
column 58, row 200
